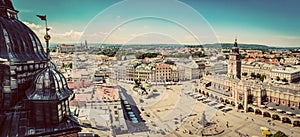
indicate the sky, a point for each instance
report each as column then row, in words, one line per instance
column 165, row 21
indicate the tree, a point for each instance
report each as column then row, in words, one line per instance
column 243, row 56
column 253, row 75
column 280, row 134
column 262, row 78
column 245, row 74
column 111, row 52
column 258, row 75
column 198, row 54
column 144, row 55
column 69, row 65
column 284, row 80
column 278, row 58
column 137, row 82
column 277, row 78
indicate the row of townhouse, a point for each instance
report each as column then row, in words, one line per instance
column 154, row 72
column 272, row 72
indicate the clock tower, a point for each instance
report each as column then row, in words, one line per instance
column 234, row 62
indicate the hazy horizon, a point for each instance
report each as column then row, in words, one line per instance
column 186, row 21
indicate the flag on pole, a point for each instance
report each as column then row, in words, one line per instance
column 42, row 17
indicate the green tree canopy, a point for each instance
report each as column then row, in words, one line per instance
column 253, row 75
column 262, row 78
column 137, row 82
column 280, row 134
column 284, row 80
column 277, row 78
column 144, row 55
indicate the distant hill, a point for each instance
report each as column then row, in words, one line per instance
column 216, row 45
column 247, row 46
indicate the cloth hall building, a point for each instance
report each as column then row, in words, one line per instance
column 277, row 101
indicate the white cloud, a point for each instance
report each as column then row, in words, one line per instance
column 32, row 25
column 70, row 36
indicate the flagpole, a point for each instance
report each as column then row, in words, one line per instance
column 46, row 27
column 46, row 37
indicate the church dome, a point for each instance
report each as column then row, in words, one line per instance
column 18, row 43
column 49, row 85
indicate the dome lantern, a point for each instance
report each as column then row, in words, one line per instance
column 49, row 85
column 7, row 10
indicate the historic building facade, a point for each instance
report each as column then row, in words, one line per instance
column 280, row 102
column 272, row 72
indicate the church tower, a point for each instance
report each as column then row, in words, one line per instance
column 234, row 62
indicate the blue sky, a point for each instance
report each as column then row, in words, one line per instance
column 256, row 21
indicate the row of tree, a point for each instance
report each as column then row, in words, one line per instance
column 144, row 55
column 283, row 80
column 263, row 77
column 256, row 76
column 198, row 54
column 111, row 52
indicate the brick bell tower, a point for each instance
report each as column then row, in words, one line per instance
column 234, row 62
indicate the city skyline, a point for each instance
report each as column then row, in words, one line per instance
column 148, row 68
column 254, row 22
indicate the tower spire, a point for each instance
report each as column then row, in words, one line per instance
column 235, row 42
column 234, row 62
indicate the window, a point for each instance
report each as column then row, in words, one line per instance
column 8, row 44
column 39, row 112
column 36, row 66
column 60, row 112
